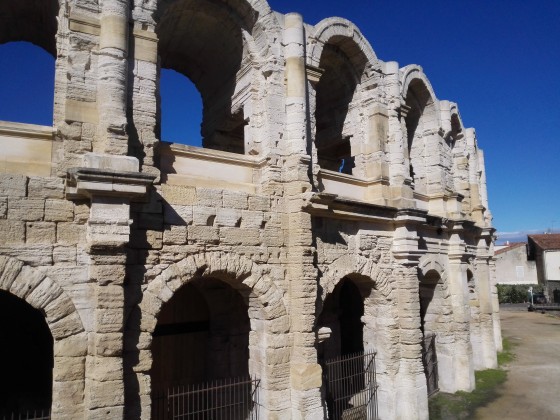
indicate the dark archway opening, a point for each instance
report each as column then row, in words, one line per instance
column 342, row 313
column 334, row 94
column 430, row 303
column 26, row 358
column 417, row 100
column 348, row 372
column 204, row 42
column 201, row 340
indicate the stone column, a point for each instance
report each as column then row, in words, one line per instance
column 411, row 393
column 112, row 77
column 463, row 364
column 477, row 210
column 495, row 306
column 397, row 148
column 110, row 183
column 483, row 282
column 296, row 82
column 305, row 372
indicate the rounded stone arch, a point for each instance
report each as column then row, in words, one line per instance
column 70, row 342
column 267, row 314
column 432, row 263
column 380, row 318
column 341, row 30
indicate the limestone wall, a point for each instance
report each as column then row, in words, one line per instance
column 322, row 165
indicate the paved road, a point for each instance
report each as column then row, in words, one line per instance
column 532, row 389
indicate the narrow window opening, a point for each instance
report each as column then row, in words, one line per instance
column 181, row 109
column 27, row 84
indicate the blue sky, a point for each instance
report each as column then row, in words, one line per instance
column 498, row 59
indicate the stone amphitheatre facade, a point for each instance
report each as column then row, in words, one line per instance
column 337, row 207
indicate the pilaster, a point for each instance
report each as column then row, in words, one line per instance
column 411, row 394
column 110, row 183
column 463, row 363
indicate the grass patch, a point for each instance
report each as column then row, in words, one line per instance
column 462, row 405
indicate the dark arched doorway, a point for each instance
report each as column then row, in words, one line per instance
column 200, row 353
column 431, row 296
column 348, row 371
column 26, row 359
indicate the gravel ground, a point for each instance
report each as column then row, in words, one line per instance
column 532, row 390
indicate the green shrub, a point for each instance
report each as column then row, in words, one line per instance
column 515, row 293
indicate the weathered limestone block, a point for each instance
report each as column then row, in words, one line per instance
column 228, row 217
column 209, row 197
column 81, row 212
column 175, row 194
column 70, row 233
column 65, row 254
column 238, row 236
column 235, row 200
column 107, row 274
column 104, row 368
column 46, row 291
column 59, row 308
column 203, row 234
column 9, row 270
column 252, row 219
column 175, row 235
column 67, row 326
column 40, row 233
column 104, row 394
column 59, row 211
column 13, row 232
column 68, row 275
column 73, row 346
column 13, row 186
column 259, row 203
column 204, row 216
column 46, row 187
column 69, row 368
column 68, row 399
column 108, row 344
column 176, row 214
column 26, row 209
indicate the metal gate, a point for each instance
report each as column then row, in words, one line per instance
column 25, row 415
column 351, row 387
column 226, row 399
column 429, row 359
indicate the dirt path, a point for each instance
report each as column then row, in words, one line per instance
column 532, row 389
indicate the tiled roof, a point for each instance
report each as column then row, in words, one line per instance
column 546, row 241
column 510, row 247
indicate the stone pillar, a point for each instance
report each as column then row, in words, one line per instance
column 397, row 148
column 477, row 210
column 483, row 189
column 463, row 364
column 411, row 393
column 305, row 372
column 296, row 84
column 483, row 282
column 112, row 77
column 110, row 183
column 495, row 306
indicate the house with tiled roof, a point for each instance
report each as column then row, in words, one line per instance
column 545, row 251
column 513, row 266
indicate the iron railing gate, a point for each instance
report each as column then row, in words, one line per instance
column 429, row 359
column 25, row 415
column 351, row 387
column 226, row 399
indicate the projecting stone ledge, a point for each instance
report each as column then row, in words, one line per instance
column 111, row 183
